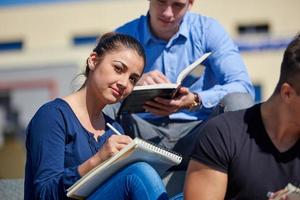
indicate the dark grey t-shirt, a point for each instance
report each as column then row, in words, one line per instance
column 236, row 143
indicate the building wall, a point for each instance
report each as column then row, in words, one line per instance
column 47, row 31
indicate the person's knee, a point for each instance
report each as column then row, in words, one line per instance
column 237, row 101
column 145, row 172
column 143, row 168
column 142, row 175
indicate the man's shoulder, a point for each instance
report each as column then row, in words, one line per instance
column 196, row 19
column 228, row 117
column 132, row 26
column 199, row 25
column 232, row 123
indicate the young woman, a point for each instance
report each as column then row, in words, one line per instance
column 68, row 137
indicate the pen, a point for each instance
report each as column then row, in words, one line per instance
column 113, row 129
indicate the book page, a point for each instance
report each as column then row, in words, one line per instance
column 194, row 67
column 155, row 86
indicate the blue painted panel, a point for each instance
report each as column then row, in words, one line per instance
column 263, row 45
column 85, row 40
column 28, row 2
column 258, row 93
column 11, row 46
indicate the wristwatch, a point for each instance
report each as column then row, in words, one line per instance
column 196, row 103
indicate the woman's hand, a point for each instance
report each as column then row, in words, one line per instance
column 112, row 146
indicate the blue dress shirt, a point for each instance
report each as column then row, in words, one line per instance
column 56, row 145
column 225, row 71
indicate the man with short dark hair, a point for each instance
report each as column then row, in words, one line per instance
column 246, row 154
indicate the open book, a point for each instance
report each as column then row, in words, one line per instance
column 291, row 191
column 135, row 101
column 159, row 158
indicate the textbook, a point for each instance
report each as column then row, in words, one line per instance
column 291, row 191
column 160, row 158
column 135, row 101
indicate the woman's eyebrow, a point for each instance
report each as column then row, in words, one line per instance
column 122, row 63
column 126, row 67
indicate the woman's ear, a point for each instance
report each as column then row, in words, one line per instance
column 92, row 61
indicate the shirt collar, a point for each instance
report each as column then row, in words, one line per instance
column 184, row 27
column 183, row 30
column 148, row 35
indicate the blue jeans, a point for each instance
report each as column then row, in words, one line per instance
column 136, row 181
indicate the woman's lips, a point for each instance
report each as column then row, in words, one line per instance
column 116, row 92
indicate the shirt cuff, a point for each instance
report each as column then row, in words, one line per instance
column 210, row 98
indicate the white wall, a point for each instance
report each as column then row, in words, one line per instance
column 283, row 15
column 47, row 29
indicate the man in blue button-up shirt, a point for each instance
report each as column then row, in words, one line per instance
column 173, row 38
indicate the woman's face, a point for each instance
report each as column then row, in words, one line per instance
column 113, row 77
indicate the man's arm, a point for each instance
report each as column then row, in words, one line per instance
column 204, row 183
column 225, row 65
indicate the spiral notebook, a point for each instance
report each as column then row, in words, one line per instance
column 161, row 159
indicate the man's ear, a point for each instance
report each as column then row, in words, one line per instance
column 92, row 61
column 287, row 92
column 191, row 2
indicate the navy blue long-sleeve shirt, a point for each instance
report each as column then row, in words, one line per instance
column 56, row 145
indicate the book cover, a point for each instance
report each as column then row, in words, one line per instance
column 140, row 94
column 159, row 158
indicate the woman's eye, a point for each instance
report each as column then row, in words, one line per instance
column 133, row 80
column 118, row 69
